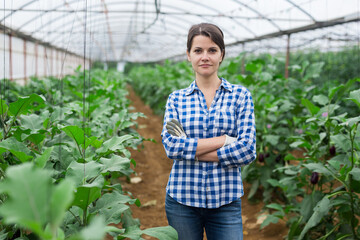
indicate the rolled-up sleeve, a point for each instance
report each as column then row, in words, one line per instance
column 242, row 151
column 176, row 148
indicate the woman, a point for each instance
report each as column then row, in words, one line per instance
column 209, row 132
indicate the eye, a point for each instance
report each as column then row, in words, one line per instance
column 213, row 50
column 197, row 50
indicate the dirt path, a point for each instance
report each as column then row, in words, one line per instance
column 153, row 168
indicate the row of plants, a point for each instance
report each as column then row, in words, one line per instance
column 64, row 149
column 308, row 140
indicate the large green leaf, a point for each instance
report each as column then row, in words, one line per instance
column 17, row 148
column 341, row 142
column 355, row 97
column 86, row 194
column 23, row 104
column 355, row 172
column 114, row 144
column 29, row 191
column 321, row 209
column 75, row 133
column 163, row 233
column 321, row 99
column 3, row 108
column 112, row 206
column 95, row 231
column 310, row 106
column 318, row 167
column 33, row 122
column 116, row 164
column 41, row 160
column 83, row 172
column 62, row 197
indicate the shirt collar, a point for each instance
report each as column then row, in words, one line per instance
column 224, row 84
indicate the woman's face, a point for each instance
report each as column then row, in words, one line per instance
column 205, row 56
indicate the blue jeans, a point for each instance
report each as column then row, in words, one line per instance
column 224, row 223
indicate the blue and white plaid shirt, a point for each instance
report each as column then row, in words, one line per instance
column 209, row 184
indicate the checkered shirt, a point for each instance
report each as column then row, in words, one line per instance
column 209, row 184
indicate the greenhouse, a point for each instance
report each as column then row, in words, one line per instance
column 87, row 89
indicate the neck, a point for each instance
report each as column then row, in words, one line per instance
column 208, row 83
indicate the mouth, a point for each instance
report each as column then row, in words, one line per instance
column 205, row 65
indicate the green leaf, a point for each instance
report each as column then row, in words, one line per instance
column 83, row 172
column 95, row 231
column 318, row 167
column 321, row 99
column 269, row 219
column 112, row 206
column 310, row 106
column 41, row 160
column 355, row 97
column 3, row 107
column 341, row 142
column 62, row 197
column 22, row 105
column 33, row 122
column 276, row 207
column 35, row 138
column 75, row 133
column 19, row 149
column 355, row 172
column 29, row 190
column 321, row 209
column 233, row 67
column 351, row 121
column 114, row 144
column 272, row 139
column 116, row 164
column 163, row 233
column 85, row 195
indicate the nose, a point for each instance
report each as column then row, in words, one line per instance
column 205, row 56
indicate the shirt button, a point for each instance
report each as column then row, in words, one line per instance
column 208, row 189
column 205, row 129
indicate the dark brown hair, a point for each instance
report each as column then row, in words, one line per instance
column 209, row 30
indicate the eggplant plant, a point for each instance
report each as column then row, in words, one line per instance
column 61, row 159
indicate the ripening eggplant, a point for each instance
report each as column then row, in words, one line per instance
column 314, row 178
column 261, row 157
column 332, row 150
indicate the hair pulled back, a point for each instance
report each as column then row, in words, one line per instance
column 209, row 30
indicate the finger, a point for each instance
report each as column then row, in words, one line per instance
column 169, row 128
column 173, row 133
column 178, row 124
column 174, row 126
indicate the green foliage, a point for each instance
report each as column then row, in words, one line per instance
column 64, row 144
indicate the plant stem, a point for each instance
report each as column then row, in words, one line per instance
column 352, row 138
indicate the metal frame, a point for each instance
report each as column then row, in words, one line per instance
column 175, row 17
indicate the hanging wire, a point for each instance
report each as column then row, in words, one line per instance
column 1, row 88
column 84, row 81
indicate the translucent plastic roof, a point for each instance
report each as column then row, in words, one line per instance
column 152, row 30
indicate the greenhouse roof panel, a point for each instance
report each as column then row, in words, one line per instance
column 153, row 30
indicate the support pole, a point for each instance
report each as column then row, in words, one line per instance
column 25, row 62
column 243, row 59
column 10, row 58
column 36, row 60
column 45, row 62
column 287, row 57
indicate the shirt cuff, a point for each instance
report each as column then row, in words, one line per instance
column 189, row 149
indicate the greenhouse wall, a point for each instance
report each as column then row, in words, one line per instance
column 22, row 59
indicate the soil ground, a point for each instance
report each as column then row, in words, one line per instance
column 153, row 167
